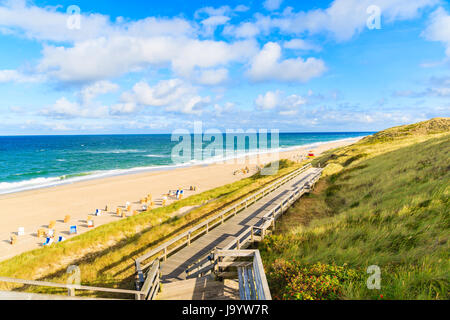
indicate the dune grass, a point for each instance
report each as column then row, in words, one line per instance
column 383, row 201
column 106, row 254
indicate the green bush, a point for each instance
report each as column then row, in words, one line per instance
column 294, row 281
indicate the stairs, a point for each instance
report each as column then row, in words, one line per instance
column 204, row 288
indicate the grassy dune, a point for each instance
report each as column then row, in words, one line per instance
column 385, row 202
column 106, row 254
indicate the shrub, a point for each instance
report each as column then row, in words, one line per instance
column 294, row 281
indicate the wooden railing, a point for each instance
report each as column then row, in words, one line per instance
column 70, row 287
column 185, row 239
column 252, row 278
column 151, row 284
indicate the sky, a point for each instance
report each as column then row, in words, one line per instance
column 114, row 67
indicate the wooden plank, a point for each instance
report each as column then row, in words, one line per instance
column 263, row 281
column 251, row 283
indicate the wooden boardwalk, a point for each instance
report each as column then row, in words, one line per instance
column 174, row 269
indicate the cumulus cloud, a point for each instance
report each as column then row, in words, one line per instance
column 212, row 76
column 18, row 77
column 438, row 29
column 267, row 65
column 342, row 19
column 272, row 4
column 102, row 58
column 174, row 95
column 18, row 17
column 300, row 44
column 277, row 100
column 88, row 93
column 63, row 109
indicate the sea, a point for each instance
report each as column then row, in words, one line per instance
column 31, row 162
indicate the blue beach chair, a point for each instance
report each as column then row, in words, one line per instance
column 73, row 230
column 48, row 241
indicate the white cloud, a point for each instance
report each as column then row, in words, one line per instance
column 98, row 88
column 226, row 108
column 211, row 11
column 342, row 19
column 272, row 5
column 213, row 76
column 64, row 108
column 49, row 24
column 438, row 29
column 102, row 58
column 241, row 8
column 244, row 30
column 268, row 66
column 276, row 100
column 268, row 101
column 300, row 44
column 173, row 95
column 18, row 77
column 210, row 24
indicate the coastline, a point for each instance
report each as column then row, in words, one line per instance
column 50, row 182
column 35, row 208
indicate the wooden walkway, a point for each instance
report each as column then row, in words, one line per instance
column 174, row 269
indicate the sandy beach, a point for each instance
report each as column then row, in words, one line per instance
column 36, row 208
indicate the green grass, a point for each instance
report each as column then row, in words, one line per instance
column 106, row 254
column 383, row 202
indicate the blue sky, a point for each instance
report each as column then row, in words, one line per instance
column 156, row 66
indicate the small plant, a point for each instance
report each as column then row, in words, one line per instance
column 294, row 281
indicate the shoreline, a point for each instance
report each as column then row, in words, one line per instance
column 102, row 174
column 34, row 209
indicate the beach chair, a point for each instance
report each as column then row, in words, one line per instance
column 40, row 233
column 48, row 241
column 119, row 211
column 50, row 233
column 21, row 231
column 123, row 215
column 60, row 239
column 13, row 239
column 73, row 230
column 66, row 219
column 129, row 208
column 52, row 224
column 144, row 207
column 106, row 208
column 98, row 212
column 90, row 222
column 135, row 213
column 144, row 200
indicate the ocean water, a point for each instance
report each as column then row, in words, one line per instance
column 28, row 162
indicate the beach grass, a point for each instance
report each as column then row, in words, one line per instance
column 384, row 201
column 106, row 254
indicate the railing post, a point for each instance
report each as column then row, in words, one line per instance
column 71, row 292
column 222, row 219
column 207, row 228
column 189, row 238
column 165, row 253
column 235, row 211
column 238, row 245
column 253, row 235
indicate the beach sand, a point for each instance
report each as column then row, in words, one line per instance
column 35, row 209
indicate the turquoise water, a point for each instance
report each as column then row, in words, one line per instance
column 41, row 161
